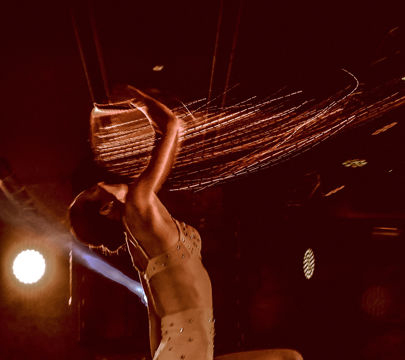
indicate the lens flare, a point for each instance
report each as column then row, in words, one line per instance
column 29, row 266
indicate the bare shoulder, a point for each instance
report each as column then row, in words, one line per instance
column 152, row 225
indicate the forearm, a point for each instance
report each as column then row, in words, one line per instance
column 148, row 218
column 162, row 158
column 161, row 162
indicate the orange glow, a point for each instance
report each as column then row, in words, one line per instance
column 354, row 163
column 384, row 128
column 218, row 144
column 334, row 191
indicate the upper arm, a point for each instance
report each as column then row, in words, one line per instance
column 162, row 159
column 147, row 218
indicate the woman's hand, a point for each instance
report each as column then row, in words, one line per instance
column 160, row 116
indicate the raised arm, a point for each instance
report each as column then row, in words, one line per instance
column 147, row 218
column 168, row 126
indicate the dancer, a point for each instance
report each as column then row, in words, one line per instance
column 165, row 251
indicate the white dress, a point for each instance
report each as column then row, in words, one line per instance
column 189, row 332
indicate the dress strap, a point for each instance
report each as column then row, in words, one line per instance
column 140, row 258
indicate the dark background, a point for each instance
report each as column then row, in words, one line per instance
column 255, row 230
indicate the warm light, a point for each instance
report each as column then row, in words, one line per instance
column 334, row 191
column 29, row 266
column 384, row 128
column 386, row 231
column 158, row 68
column 354, row 163
column 248, row 135
column 309, row 263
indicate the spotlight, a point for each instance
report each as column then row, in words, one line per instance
column 309, row 263
column 158, row 68
column 29, row 266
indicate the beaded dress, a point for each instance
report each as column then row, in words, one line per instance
column 177, row 280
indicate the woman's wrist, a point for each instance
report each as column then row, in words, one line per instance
column 172, row 123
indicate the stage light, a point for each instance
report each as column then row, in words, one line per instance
column 29, row 266
column 309, row 263
column 354, row 163
column 385, row 231
column 384, row 128
column 334, row 191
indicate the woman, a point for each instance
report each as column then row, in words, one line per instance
column 165, row 251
